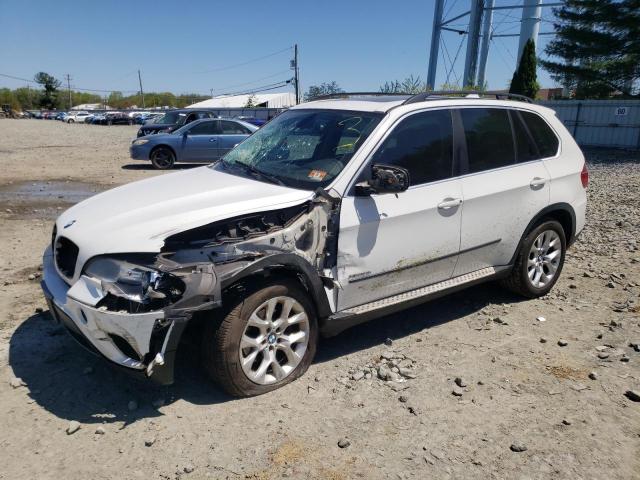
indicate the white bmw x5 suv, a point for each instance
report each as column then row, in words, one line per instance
column 337, row 211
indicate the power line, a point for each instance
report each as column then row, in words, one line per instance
column 263, row 88
column 282, row 72
column 229, row 67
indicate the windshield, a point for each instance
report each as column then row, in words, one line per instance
column 171, row 118
column 304, row 148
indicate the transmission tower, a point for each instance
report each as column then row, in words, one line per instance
column 479, row 32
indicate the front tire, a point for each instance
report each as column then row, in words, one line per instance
column 539, row 261
column 70, row 121
column 266, row 340
column 163, row 158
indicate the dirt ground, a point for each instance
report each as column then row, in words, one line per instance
column 565, row 404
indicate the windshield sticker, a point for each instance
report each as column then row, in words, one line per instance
column 317, row 175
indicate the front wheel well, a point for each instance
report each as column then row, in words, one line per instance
column 162, row 145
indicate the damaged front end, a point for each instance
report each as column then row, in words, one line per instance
column 133, row 308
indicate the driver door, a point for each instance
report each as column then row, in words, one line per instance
column 201, row 142
column 393, row 243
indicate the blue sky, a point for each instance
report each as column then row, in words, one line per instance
column 359, row 44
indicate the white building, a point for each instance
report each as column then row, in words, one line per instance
column 91, row 106
column 268, row 100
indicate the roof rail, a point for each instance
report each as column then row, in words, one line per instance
column 421, row 97
column 359, row 94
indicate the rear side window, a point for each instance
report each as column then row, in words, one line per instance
column 489, row 139
column 542, row 134
column 423, row 144
column 525, row 148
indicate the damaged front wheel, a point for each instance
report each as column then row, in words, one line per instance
column 265, row 341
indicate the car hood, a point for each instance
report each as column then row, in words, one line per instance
column 137, row 217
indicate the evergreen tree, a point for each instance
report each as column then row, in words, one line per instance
column 525, row 79
column 50, row 85
column 598, row 44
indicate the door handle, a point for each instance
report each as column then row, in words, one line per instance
column 448, row 203
column 537, row 182
column 213, row 139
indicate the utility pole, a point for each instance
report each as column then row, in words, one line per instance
column 211, row 90
column 296, row 73
column 486, row 38
column 435, row 44
column 141, row 91
column 473, row 41
column 68, row 79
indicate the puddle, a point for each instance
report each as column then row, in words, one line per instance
column 44, row 199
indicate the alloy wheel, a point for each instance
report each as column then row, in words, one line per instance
column 274, row 340
column 544, row 258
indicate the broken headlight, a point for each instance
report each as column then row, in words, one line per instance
column 133, row 285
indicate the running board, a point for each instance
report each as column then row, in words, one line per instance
column 420, row 292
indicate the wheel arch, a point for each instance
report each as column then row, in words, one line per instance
column 562, row 212
column 163, row 145
column 289, row 266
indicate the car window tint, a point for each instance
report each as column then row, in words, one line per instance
column 204, row 128
column 232, row 128
column 423, row 144
column 542, row 134
column 525, row 148
column 489, row 138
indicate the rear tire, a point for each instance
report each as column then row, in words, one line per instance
column 70, row 121
column 163, row 158
column 539, row 261
column 266, row 340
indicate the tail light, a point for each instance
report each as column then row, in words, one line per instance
column 584, row 176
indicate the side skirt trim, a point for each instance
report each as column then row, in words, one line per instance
column 421, row 292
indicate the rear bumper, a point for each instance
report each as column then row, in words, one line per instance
column 143, row 344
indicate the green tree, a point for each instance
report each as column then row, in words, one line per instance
column 597, row 44
column 525, row 79
column 50, row 84
column 316, row 91
column 411, row 85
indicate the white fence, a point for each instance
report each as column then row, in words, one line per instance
column 600, row 123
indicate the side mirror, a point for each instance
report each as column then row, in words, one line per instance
column 384, row 179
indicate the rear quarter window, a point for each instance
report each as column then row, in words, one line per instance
column 545, row 138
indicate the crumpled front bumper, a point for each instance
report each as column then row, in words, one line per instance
column 142, row 343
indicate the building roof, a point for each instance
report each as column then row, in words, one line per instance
column 91, row 106
column 270, row 100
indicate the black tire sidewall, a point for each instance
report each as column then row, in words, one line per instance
column 163, row 167
column 230, row 375
column 524, row 253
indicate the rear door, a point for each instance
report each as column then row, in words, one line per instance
column 505, row 186
column 394, row 243
column 201, row 142
column 231, row 134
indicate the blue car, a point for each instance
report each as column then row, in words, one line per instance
column 203, row 140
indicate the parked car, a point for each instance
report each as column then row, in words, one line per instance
column 76, row 117
column 115, row 118
column 49, row 115
column 258, row 122
column 335, row 212
column 61, row 116
column 172, row 120
column 199, row 141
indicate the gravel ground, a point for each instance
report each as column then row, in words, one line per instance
column 492, row 386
